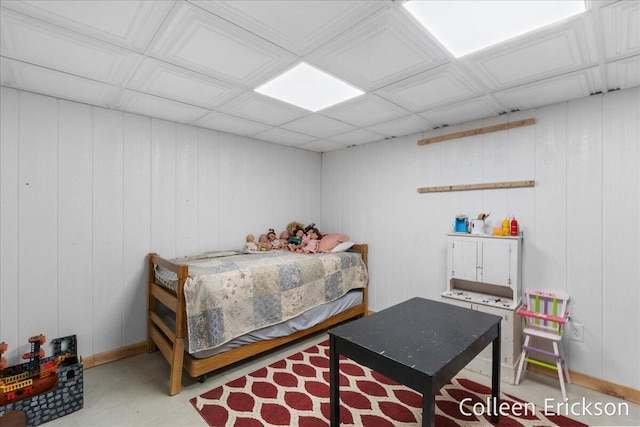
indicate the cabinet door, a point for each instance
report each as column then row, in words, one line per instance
column 463, row 259
column 509, row 345
column 498, row 258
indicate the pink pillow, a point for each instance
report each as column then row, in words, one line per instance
column 330, row 241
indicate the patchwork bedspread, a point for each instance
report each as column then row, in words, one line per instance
column 229, row 295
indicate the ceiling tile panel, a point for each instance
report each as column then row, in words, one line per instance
column 621, row 24
column 321, row 146
column 161, row 108
column 168, row 81
column 284, row 137
column 230, row 124
column 365, row 110
column 404, row 126
column 198, row 40
column 383, row 49
column 263, row 109
column 357, row 137
column 318, row 126
column 126, row 23
column 442, row 85
column 550, row 91
column 41, row 80
column 56, row 48
column 298, row 26
column 624, row 74
column 198, row 62
column 462, row 112
column 542, row 54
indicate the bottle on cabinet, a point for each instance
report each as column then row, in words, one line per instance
column 514, row 227
column 505, row 226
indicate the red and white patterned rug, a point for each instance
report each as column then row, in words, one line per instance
column 295, row 392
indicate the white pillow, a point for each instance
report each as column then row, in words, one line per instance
column 341, row 247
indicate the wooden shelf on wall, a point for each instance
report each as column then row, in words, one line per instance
column 486, row 186
column 478, row 131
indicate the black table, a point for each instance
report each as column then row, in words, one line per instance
column 420, row 343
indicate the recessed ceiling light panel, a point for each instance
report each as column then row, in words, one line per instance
column 464, row 27
column 309, row 88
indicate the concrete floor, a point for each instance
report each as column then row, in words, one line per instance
column 133, row 392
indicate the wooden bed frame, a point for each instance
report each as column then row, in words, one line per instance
column 171, row 343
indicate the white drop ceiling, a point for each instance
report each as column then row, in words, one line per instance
column 198, row 63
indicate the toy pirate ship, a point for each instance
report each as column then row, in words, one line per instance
column 36, row 376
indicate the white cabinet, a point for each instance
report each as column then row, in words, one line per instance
column 510, row 342
column 485, row 265
column 463, row 258
column 484, row 274
column 499, row 261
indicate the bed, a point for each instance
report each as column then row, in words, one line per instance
column 211, row 310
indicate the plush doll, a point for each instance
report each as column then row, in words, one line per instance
column 273, row 239
column 284, row 237
column 295, row 240
column 263, row 243
column 251, row 244
column 310, row 242
column 293, row 226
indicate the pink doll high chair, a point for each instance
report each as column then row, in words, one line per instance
column 545, row 314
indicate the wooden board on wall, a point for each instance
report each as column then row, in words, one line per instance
column 485, row 186
column 478, row 131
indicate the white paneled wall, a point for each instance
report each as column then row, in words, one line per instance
column 620, row 229
column 581, row 222
column 87, row 192
column 75, row 223
column 9, row 214
column 585, row 228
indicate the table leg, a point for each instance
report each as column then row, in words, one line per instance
column 428, row 408
column 334, row 383
column 495, row 379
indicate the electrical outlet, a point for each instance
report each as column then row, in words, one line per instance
column 577, row 332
